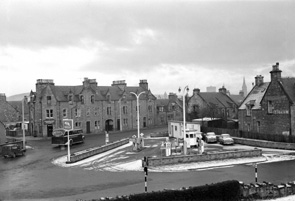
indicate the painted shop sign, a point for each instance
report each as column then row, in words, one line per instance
column 280, row 111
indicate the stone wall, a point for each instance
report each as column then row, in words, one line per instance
column 77, row 156
column 266, row 190
column 157, row 161
column 264, row 143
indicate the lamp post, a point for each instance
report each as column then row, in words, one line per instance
column 137, row 106
column 23, row 122
column 120, row 112
column 183, row 106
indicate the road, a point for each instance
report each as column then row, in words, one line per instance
column 34, row 176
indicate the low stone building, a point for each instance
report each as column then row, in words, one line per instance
column 93, row 108
column 269, row 107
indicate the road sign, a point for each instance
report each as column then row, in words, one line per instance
column 68, row 124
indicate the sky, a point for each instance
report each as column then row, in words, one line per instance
column 170, row 43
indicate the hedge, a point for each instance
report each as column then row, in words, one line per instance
column 222, row 191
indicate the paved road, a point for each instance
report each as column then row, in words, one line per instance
column 34, row 176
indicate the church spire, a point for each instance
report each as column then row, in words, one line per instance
column 244, row 87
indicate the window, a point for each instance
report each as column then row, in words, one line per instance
column 124, row 109
column 70, row 98
column 175, row 128
column 248, row 110
column 195, row 108
column 48, row 100
column 125, row 122
column 109, row 111
column 258, row 126
column 92, row 99
column 64, row 113
column 150, row 108
column 82, row 99
column 78, row 124
column 88, row 112
column 161, row 109
column 96, row 124
column 78, row 112
column 270, row 107
column 49, row 113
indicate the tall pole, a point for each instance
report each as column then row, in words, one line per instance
column 120, row 112
column 184, row 129
column 137, row 106
column 23, row 123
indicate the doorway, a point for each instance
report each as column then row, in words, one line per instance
column 49, row 130
column 88, row 127
column 109, row 125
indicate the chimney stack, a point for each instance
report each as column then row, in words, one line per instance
column 258, row 80
column 275, row 74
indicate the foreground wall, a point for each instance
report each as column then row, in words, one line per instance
column 157, row 161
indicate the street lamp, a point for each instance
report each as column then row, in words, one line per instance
column 120, row 112
column 23, row 122
column 137, row 105
column 183, row 106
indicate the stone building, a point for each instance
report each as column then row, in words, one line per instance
column 93, row 108
column 8, row 113
column 269, row 107
column 211, row 104
column 168, row 109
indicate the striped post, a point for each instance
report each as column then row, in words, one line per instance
column 145, row 168
column 145, row 179
column 256, row 172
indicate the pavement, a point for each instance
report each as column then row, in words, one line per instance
column 124, row 159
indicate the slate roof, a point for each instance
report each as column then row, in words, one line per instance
column 237, row 98
column 217, row 98
column 255, row 96
column 289, row 86
column 61, row 92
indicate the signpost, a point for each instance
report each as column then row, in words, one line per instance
column 68, row 125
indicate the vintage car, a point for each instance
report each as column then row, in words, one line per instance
column 210, row 137
column 225, row 139
column 12, row 150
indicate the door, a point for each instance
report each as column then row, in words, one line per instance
column 118, row 124
column 109, row 125
column 144, row 122
column 49, row 130
column 88, row 127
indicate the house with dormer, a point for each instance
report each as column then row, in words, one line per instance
column 269, row 107
column 212, row 104
column 168, row 109
column 93, row 108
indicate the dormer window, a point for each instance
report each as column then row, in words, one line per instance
column 92, row 99
column 82, row 99
column 48, row 100
column 70, row 98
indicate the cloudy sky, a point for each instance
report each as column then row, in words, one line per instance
column 171, row 43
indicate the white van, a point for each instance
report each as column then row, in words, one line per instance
column 191, row 137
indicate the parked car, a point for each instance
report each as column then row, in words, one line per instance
column 210, row 137
column 12, row 150
column 225, row 139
